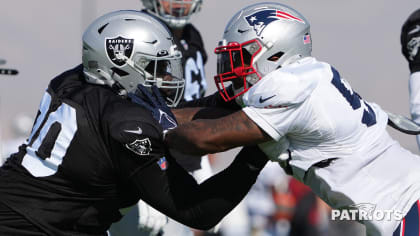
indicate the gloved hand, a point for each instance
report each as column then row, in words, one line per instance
column 151, row 220
column 410, row 41
column 155, row 103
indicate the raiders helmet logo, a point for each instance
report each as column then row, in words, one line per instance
column 141, row 147
column 119, row 49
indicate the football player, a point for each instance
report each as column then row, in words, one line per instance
column 93, row 152
column 302, row 113
column 410, row 46
column 176, row 14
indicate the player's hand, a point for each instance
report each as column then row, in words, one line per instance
column 151, row 220
column 155, row 103
column 410, row 41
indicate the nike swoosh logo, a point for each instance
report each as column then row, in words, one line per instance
column 266, row 99
column 415, row 30
column 242, row 31
column 138, row 131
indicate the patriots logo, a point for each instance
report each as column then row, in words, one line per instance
column 119, row 49
column 260, row 19
column 366, row 209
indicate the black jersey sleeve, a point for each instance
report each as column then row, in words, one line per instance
column 134, row 134
column 160, row 181
column 175, row 193
column 213, row 100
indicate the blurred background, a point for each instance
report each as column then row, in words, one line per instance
column 41, row 39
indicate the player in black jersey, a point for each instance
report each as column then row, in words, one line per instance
column 93, row 152
column 176, row 14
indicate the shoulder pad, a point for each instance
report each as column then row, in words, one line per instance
column 286, row 86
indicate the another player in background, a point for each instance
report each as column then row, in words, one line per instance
column 176, row 14
column 304, row 115
column 410, row 47
column 93, row 152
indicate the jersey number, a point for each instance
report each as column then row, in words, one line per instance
column 49, row 139
column 196, row 67
column 354, row 99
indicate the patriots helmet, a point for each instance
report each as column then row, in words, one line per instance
column 176, row 13
column 123, row 49
column 257, row 40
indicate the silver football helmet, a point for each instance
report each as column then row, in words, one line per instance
column 259, row 39
column 125, row 48
column 176, row 13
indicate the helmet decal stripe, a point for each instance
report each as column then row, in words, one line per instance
column 286, row 15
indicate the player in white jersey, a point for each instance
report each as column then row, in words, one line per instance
column 410, row 46
column 303, row 114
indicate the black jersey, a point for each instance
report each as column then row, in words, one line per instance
column 92, row 153
column 194, row 58
column 85, row 143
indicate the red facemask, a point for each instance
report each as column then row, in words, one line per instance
column 234, row 64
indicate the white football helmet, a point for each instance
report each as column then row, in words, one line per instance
column 125, row 48
column 258, row 40
column 176, row 13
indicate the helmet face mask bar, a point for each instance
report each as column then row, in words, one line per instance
column 164, row 71
column 176, row 13
column 235, row 66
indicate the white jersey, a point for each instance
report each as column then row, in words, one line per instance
column 309, row 109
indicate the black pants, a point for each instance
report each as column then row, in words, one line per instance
column 13, row 224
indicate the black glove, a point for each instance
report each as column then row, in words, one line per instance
column 155, row 103
column 410, row 41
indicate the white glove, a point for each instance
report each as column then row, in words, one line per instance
column 151, row 220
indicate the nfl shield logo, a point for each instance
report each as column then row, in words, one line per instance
column 163, row 164
column 119, row 49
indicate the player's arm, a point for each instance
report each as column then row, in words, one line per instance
column 138, row 152
column 215, row 135
column 410, row 45
column 209, row 107
column 176, row 194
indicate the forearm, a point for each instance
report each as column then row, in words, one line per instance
column 205, row 136
column 185, row 115
column 195, row 138
column 209, row 107
column 175, row 193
